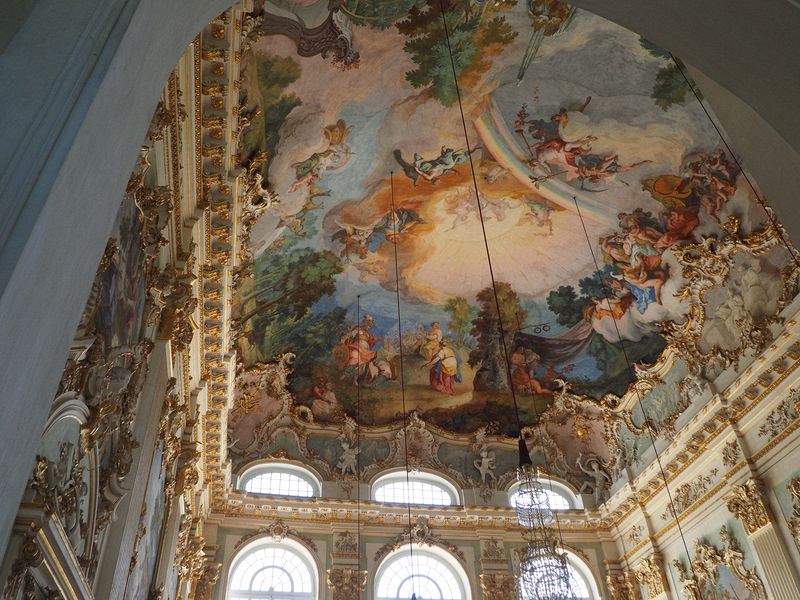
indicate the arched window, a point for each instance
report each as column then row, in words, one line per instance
column 582, row 582
column 559, row 496
column 415, row 488
column 279, row 480
column 273, row 571
column 431, row 573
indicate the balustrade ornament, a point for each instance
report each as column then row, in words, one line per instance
column 747, row 503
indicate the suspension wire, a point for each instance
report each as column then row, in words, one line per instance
column 767, row 210
column 402, row 382
column 501, row 329
column 632, row 372
column 358, row 438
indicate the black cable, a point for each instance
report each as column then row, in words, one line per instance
column 480, row 214
column 402, row 380
column 358, row 438
column 632, row 372
column 770, row 216
column 522, row 443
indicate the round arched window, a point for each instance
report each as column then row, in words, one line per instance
column 559, row 496
column 279, row 479
column 414, row 488
column 273, row 571
column 430, row 573
column 581, row 582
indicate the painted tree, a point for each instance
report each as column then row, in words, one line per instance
column 492, row 374
column 378, row 14
column 288, row 284
column 671, row 86
column 473, row 37
column 461, row 315
column 273, row 74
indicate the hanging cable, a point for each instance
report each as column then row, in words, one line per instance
column 632, row 373
column 358, row 439
column 544, row 571
column 402, row 382
column 504, row 345
column 770, row 215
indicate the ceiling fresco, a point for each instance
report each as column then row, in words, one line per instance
column 583, row 154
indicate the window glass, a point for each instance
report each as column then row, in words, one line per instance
column 279, row 483
column 555, row 500
column 279, row 480
column 272, row 571
column 420, row 488
column 420, row 572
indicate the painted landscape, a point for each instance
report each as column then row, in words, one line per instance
column 582, row 161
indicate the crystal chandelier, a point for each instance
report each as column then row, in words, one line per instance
column 543, row 571
column 532, row 502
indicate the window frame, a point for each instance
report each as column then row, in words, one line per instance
column 302, row 473
column 426, row 477
column 441, row 555
column 287, row 544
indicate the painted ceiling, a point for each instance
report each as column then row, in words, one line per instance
column 583, row 155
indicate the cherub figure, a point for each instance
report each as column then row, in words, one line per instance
column 347, row 462
column 485, row 465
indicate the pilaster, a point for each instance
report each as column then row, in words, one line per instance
column 748, row 503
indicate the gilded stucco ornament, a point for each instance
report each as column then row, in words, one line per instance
column 650, row 573
column 688, row 493
column 179, row 305
column 498, row 586
column 706, row 265
column 346, row 583
column 22, row 583
column 731, row 453
column 623, row 586
column 278, row 530
column 748, row 503
column 794, row 522
column 419, row 532
column 787, row 412
column 703, row 574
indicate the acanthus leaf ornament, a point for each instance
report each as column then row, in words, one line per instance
column 650, row 573
column 346, row 583
column 748, row 503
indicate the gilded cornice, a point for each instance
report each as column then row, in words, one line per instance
column 708, row 425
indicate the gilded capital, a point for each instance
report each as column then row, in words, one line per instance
column 498, row 586
column 747, row 503
column 650, row 573
column 346, row 583
column 623, row 586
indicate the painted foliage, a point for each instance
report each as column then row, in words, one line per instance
column 583, row 161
